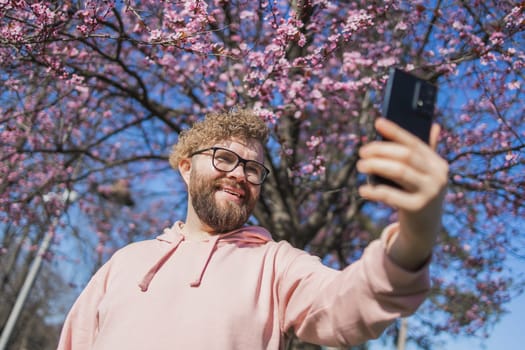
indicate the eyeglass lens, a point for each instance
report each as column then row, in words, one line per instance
column 225, row 160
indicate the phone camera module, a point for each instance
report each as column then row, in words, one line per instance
column 424, row 96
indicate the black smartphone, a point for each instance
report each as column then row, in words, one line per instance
column 409, row 102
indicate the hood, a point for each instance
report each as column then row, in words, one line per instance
column 172, row 237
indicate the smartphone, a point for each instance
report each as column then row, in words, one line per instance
column 409, row 102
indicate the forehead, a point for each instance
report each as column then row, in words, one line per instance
column 248, row 149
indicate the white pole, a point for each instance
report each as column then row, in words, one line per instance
column 402, row 336
column 67, row 196
column 22, row 295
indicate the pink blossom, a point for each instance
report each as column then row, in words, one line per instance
column 314, row 142
column 497, row 38
column 514, row 85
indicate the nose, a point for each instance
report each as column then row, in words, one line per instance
column 238, row 172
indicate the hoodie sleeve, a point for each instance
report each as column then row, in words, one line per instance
column 348, row 307
column 81, row 324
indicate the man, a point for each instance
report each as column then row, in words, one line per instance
column 210, row 283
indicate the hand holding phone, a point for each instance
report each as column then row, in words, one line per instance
column 420, row 172
column 409, row 102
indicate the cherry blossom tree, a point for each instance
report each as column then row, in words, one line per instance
column 94, row 93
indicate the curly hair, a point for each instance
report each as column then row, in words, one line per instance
column 243, row 124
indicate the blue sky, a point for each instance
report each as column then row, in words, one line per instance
column 508, row 334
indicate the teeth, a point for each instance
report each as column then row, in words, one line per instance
column 234, row 193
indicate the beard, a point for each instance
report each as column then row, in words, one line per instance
column 221, row 217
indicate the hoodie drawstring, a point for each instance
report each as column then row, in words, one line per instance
column 198, row 280
column 151, row 273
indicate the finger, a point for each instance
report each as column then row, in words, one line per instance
column 434, row 135
column 415, row 158
column 394, row 132
column 406, row 176
column 392, row 197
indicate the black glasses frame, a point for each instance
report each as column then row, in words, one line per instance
column 240, row 159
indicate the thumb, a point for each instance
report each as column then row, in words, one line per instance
column 434, row 135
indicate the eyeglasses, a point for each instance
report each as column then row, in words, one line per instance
column 226, row 161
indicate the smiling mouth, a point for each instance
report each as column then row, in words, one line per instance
column 233, row 193
column 232, row 190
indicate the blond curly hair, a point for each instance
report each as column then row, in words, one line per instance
column 243, row 124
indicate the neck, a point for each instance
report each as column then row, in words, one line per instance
column 194, row 229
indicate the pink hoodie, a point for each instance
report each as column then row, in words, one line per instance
column 239, row 290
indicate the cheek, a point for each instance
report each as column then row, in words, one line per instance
column 205, row 171
column 255, row 192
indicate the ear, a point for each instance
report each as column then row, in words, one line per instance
column 185, row 169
